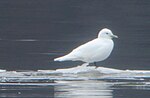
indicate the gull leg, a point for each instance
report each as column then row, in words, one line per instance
column 94, row 63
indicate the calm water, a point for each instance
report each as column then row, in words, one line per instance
column 79, row 89
column 34, row 32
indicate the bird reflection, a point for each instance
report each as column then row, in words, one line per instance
column 83, row 89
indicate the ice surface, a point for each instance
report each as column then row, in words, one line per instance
column 86, row 69
column 1, row 70
column 79, row 69
column 82, row 72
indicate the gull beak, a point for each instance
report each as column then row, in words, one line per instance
column 114, row 36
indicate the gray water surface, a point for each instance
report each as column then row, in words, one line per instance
column 33, row 33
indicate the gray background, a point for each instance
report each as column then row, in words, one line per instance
column 34, row 32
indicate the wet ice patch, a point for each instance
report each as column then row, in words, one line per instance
column 86, row 69
column 79, row 69
column 82, row 72
column 2, row 70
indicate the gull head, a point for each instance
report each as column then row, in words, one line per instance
column 106, row 33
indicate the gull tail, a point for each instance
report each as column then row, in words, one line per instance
column 65, row 58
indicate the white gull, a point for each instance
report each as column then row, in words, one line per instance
column 93, row 51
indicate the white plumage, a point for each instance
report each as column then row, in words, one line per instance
column 93, row 51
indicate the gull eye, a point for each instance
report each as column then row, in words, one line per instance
column 107, row 33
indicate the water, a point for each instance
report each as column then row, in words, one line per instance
column 33, row 33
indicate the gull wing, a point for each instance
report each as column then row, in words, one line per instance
column 88, row 49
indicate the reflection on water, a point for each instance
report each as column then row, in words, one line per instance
column 83, row 89
column 77, row 89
